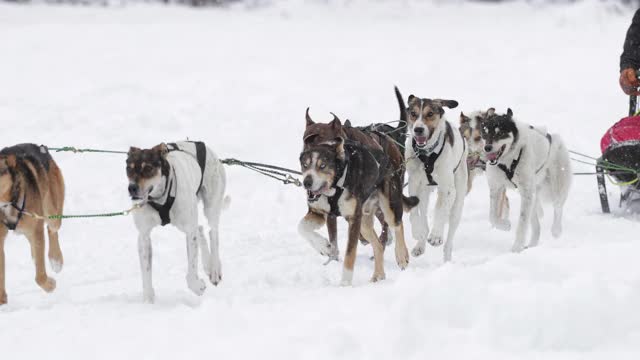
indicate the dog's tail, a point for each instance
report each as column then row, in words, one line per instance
column 409, row 202
column 402, row 124
column 226, row 202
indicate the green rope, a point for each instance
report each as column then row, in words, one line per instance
column 76, row 150
column 119, row 213
column 99, row 215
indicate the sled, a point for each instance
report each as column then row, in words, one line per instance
column 620, row 159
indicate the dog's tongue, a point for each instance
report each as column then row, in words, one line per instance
column 421, row 140
column 492, row 156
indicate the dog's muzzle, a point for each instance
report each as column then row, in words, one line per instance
column 419, row 136
column 493, row 156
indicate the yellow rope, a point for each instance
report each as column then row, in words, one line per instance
column 625, row 183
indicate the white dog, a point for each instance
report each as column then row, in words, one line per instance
column 532, row 161
column 168, row 181
column 436, row 156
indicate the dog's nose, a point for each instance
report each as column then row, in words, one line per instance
column 488, row 148
column 308, row 182
column 418, row 131
column 133, row 189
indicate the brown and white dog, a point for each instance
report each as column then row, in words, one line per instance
column 169, row 181
column 471, row 130
column 347, row 173
column 436, row 159
column 31, row 183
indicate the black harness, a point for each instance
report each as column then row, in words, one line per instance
column 13, row 226
column 165, row 208
column 509, row 172
column 430, row 156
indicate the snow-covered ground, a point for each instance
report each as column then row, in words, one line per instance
column 240, row 79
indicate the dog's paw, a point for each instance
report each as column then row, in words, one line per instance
column 47, row 284
column 402, row 258
column 556, row 230
column 323, row 247
column 56, row 265
column 418, row 250
column 502, row 224
column 3, row 298
column 435, row 240
column 215, row 275
column 149, row 297
column 347, row 278
column 378, row 277
column 196, row 285
column 517, row 247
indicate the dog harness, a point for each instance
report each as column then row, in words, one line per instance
column 165, row 208
column 13, row 226
column 509, row 172
column 201, row 157
column 430, row 156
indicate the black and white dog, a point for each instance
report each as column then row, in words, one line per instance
column 533, row 162
column 168, row 181
column 436, row 158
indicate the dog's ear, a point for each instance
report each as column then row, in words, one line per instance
column 161, row 148
column 335, row 123
column 464, row 119
column 491, row 111
column 339, row 141
column 509, row 113
column 133, row 150
column 347, row 123
column 308, row 118
column 7, row 161
column 451, row 104
column 411, row 98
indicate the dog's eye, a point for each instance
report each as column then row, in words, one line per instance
column 429, row 114
column 414, row 114
column 148, row 170
column 129, row 170
column 322, row 166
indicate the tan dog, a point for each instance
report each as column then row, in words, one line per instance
column 31, row 182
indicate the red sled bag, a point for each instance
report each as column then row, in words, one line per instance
column 624, row 132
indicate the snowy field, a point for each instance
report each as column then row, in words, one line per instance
column 240, row 79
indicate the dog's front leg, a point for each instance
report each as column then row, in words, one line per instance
column 307, row 229
column 526, row 207
column 499, row 222
column 418, row 215
column 145, row 254
column 3, row 292
column 194, row 282
column 332, row 230
column 444, row 203
column 355, row 222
